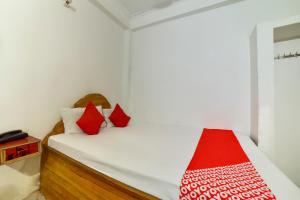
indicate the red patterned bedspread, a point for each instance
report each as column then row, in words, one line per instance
column 220, row 169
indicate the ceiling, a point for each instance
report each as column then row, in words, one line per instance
column 139, row 6
column 288, row 32
column 137, row 14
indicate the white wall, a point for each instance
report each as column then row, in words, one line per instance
column 263, row 111
column 50, row 56
column 196, row 70
column 287, row 110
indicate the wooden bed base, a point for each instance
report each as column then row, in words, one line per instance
column 64, row 178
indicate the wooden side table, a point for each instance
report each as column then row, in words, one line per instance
column 20, row 149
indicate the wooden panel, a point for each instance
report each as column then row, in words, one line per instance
column 13, row 146
column 64, row 178
column 97, row 99
column 28, row 140
column 69, row 179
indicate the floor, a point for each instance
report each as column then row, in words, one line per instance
column 35, row 196
column 20, row 180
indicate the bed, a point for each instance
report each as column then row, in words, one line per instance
column 141, row 161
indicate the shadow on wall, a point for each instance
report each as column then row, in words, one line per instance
column 201, row 10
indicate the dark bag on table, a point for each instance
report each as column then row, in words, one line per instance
column 12, row 136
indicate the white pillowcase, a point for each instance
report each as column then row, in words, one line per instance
column 106, row 113
column 70, row 117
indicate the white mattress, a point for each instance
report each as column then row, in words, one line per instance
column 153, row 158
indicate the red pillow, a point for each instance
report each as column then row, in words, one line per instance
column 91, row 120
column 118, row 117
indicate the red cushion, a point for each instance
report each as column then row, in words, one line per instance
column 91, row 120
column 118, row 117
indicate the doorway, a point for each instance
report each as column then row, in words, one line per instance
column 287, row 100
column 275, row 93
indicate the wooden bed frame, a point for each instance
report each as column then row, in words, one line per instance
column 64, row 178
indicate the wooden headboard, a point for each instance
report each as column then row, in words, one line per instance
column 97, row 99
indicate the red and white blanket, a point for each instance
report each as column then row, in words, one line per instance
column 220, row 169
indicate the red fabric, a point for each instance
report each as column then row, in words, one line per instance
column 118, row 117
column 91, row 120
column 217, row 148
column 220, row 169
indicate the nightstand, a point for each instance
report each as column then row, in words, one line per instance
column 20, row 149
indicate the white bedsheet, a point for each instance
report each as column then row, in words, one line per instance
column 153, row 158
